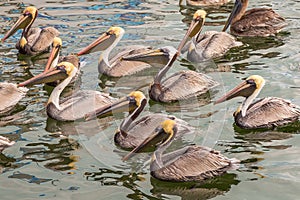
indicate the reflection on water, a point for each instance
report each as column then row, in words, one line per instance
column 48, row 151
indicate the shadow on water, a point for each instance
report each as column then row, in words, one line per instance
column 193, row 190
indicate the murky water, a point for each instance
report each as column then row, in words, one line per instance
column 80, row 160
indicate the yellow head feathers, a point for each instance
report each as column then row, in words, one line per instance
column 69, row 67
column 138, row 96
column 259, row 81
column 57, row 42
column 200, row 14
column 115, row 30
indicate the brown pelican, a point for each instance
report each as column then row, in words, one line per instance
column 10, row 95
column 254, row 22
column 115, row 67
column 205, row 2
column 5, row 142
column 179, row 86
column 131, row 133
column 33, row 40
column 265, row 113
column 191, row 163
column 72, row 107
column 209, row 45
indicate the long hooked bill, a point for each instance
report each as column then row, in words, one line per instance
column 158, row 136
column 244, row 89
column 22, row 22
column 121, row 105
column 54, row 74
column 236, row 10
column 53, row 55
column 149, row 55
column 194, row 28
column 98, row 45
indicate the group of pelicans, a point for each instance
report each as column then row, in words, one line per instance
column 191, row 163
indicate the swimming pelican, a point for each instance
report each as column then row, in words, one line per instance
column 265, row 113
column 191, row 163
column 10, row 95
column 209, row 45
column 33, row 40
column 254, row 22
column 5, row 142
column 131, row 133
column 205, row 2
column 72, row 107
column 179, row 86
column 115, row 67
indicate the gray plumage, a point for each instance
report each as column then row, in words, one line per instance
column 182, row 85
column 209, row 45
column 140, row 129
column 192, row 163
column 267, row 113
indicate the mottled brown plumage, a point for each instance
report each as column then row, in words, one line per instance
column 268, row 113
column 254, row 22
column 265, row 113
column 191, row 163
column 33, row 40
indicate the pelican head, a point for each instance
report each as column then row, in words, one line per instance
column 24, row 22
column 237, row 12
column 108, row 39
column 195, row 27
column 135, row 99
column 62, row 71
column 160, row 56
column 249, row 89
column 54, row 55
column 163, row 135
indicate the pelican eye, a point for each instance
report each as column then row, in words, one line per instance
column 131, row 99
column 27, row 14
column 61, row 68
column 251, row 82
column 109, row 33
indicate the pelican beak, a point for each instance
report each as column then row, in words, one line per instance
column 150, row 56
column 195, row 27
column 54, row 74
column 122, row 105
column 235, row 11
column 158, row 136
column 53, row 55
column 244, row 89
column 100, row 44
column 22, row 22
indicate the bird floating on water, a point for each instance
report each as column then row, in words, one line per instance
column 179, row 86
column 206, row 46
column 73, row 107
column 33, row 40
column 191, row 163
column 116, row 66
column 132, row 132
column 268, row 112
column 254, row 22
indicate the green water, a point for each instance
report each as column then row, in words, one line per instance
column 79, row 160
